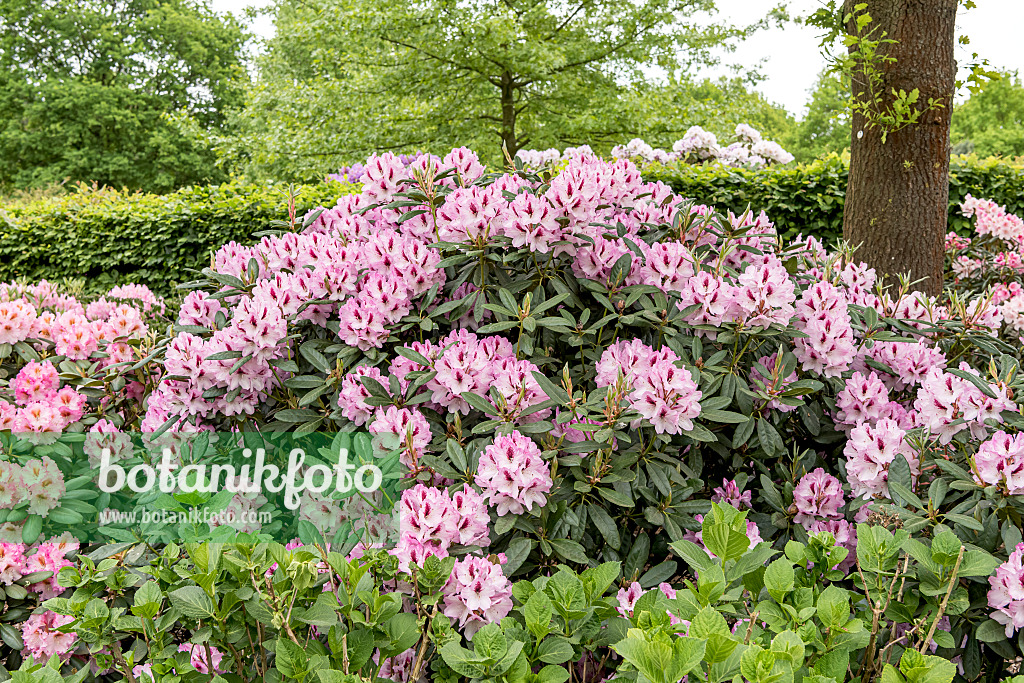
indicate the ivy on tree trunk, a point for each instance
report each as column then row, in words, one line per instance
column 896, row 202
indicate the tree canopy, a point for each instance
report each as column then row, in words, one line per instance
column 86, row 87
column 825, row 127
column 344, row 78
column 991, row 122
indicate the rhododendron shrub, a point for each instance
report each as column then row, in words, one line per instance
column 69, row 365
column 991, row 262
column 593, row 386
column 697, row 146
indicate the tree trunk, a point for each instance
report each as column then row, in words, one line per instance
column 508, row 114
column 898, row 194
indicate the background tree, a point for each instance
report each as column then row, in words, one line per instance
column 343, row 79
column 825, row 128
column 902, row 72
column 86, row 87
column 991, row 122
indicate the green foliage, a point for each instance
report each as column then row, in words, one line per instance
column 110, row 237
column 992, row 121
column 86, row 87
column 343, row 79
column 825, row 128
column 809, row 198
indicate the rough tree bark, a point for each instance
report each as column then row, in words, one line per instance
column 898, row 192
column 509, row 113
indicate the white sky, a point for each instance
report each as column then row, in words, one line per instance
column 792, row 59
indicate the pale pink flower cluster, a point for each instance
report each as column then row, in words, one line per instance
column 513, row 475
column 698, row 145
column 911, row 362
column 1006, row 595
column 138, row 294
column 696, row 141
column 1009, row 297
column 38, row 481
column 1010, row 260
column 822, row 314
column 41, row 314
column 817, row 495
column 955, row 242
column 50, row 556
column 477, row 593
column 870, row 451
column 1000, row 462
column 864, row 398
column 992, row 219
column 353, row 394
column 661, row 391
column 765, row 294
column 43, row 638
column 947, row 404
column 105, row 435
column 409, row 429
column 41, row 407
column 431, row 521
column 234, row 361
column 466, row 363
column 964, row 267
column 18, row 321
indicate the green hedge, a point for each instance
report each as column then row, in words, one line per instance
column 809, row 198
column 108, row 237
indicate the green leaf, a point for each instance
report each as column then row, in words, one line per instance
column 461, row 660
column 314, row 357
column 33, row 527
column 707, row 622
column 991, row 631
column 555, row 650
column 193, row 602
column 833, row 607
column 780, row 578
column 570, row 550
column 537, row 613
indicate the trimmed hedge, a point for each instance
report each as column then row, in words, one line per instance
column 108, row 237
column 809, row 198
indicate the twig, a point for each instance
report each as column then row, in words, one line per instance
column 750, row 628
column 903, row 583
column 423, row 647
column 945, row 600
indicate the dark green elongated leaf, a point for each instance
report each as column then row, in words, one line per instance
column 296, row 415
column 314, row 357
column 605, row 525
column 570, row 550
column 723, row 416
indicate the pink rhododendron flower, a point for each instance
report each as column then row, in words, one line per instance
column 1000, row 462
column 1006, row 595
column 512, row 474
column 477, row 593
column 43, row 639
column 817, row 495
column 729, row 492
column 204, row 658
